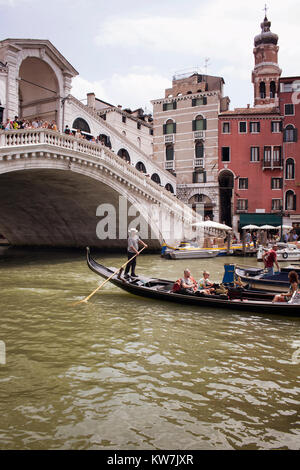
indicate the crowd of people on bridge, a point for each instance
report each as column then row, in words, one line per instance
column 36, row 123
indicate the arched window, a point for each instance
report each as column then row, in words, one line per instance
column 169, row 187
column 141, row 167
column 199, row 149
column 82, row 125
column 290, row 169
column 105, row 140
column 290, row 201
column 170, row 152
column 262, row 89
column 155, row 178
column 124, row 155
column 199, row 124
column 290, row 134
column 169, row 127
column 188, row 92
column 272, row 89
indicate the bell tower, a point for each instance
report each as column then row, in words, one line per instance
column 266, row 73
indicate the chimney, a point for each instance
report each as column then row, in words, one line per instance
column 248, row 106
column 91, row 100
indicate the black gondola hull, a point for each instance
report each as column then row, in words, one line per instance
column 158, row 289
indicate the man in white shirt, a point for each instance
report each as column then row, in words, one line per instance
column 132, row 250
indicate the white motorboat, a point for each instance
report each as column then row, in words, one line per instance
column 285, row 252
column 188, row 250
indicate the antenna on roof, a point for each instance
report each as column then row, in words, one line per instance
column 207, row 63
column 265, row 10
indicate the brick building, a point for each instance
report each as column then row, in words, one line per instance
column 258, row 146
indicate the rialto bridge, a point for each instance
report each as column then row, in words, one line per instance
column 57, row 190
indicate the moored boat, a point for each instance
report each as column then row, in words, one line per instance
column 188, row 250
column 161, row 289
column 285, row 252
column 258, row 279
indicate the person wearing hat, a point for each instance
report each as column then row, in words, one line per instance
column 132, row 250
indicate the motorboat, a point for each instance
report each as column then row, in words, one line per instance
column 285, row 252
column 259, row 279
column 188, row 250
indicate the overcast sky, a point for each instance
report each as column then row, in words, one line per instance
column 127, row 51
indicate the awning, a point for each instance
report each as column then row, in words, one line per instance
column 260, row 219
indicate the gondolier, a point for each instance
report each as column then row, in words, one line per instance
column 132, row 250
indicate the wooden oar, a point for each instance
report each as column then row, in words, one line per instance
column 108, row 279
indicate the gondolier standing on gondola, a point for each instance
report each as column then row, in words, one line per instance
column 132, row 250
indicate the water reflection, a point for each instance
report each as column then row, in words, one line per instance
column 131, row 373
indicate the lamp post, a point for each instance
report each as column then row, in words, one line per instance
column 281, row 213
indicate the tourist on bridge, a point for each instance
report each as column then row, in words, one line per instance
column 132, row 250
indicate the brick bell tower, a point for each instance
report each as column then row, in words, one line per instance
column 266, row 73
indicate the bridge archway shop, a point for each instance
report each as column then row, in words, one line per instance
column 38, row 90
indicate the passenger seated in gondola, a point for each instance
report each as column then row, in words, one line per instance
column 185, row 285
column 205, row 285
column 294, row 286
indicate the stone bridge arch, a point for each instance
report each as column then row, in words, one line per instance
column 50, row 194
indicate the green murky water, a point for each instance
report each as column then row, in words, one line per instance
column 130, row 373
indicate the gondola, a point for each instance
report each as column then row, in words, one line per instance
column 161, row 289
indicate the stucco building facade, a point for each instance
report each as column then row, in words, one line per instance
column 185, row 126
column 258, row 146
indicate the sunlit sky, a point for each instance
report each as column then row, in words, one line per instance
column 127, row 52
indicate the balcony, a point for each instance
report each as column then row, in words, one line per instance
column 169, row 138
column 169, row 165
column 272, row 164
column 199, row 134
column 198, row 162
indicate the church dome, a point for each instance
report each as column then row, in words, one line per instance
column 266, row 36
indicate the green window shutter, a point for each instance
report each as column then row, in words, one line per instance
column 281, row 183
column 174, row 128
column 194, row 125
column 204, row 177
column 164, row 129
column 174, row 104
column 194, row 177
column 295, row 135
column 258, row 127
column 194, row 102
column 204, row 124
column 204, row 100
column 164, row 106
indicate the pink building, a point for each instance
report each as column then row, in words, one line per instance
column 258, row 146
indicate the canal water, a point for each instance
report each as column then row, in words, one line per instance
column 123, row 372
